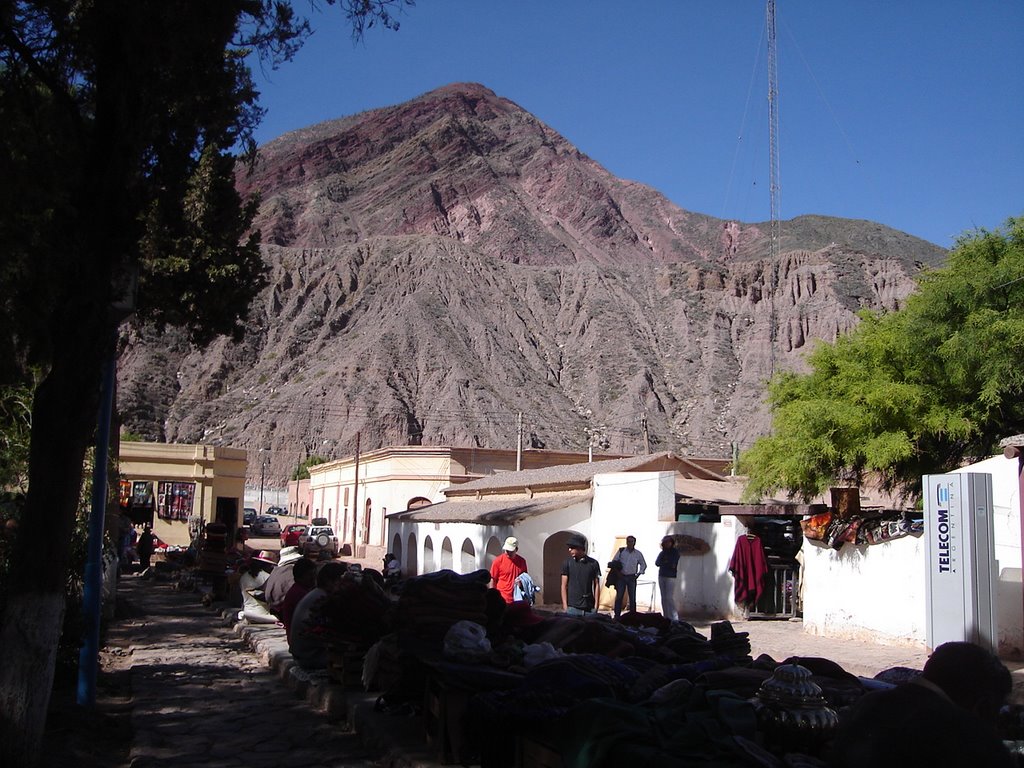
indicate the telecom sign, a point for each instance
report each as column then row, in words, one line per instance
column 961, row 568
column 946, row 546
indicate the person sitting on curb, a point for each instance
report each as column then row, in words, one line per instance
column 281, row 579
column 945, row 716
column 307, row 642
column 303, row 582
column 252, row 578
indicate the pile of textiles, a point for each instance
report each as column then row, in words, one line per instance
column 358, row 613
column 430, row 604
column 552, row 689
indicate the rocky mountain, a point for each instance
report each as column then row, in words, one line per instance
column 440, row 266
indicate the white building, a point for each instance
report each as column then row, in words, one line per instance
column 643, row 496
column 357, row 493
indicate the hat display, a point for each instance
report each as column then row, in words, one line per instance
column 289, row 555
column 577, row 540
column 726, row 641
column 511, row 544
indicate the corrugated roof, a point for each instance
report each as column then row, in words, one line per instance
column 710, row 491
column 579, row 474
column 492, row 510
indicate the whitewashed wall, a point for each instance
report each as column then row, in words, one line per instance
column 878, row 592
column 1006, row 526
column 874, row 593
column 704, row 585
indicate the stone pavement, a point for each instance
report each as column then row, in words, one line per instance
column 205, row 694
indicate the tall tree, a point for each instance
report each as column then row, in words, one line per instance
column 912, row 392
column 118, row 119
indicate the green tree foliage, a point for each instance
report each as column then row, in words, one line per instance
column 302, row 471
column 118, row 119
column 911, row 392
column 15, row 428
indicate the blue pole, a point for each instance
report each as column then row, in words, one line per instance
column 88, row 657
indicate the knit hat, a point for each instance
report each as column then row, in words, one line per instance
column 511, row 544
column 577, row 540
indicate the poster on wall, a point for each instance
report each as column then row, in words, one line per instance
column 175, row 500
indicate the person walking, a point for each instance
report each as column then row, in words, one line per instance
column 145, row 547
column 633, row 567
column 506, row 568
column 667, row 563
column 581, row 579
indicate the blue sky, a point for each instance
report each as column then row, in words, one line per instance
column 905, row 112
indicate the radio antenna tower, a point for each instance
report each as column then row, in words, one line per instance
column 773, row 177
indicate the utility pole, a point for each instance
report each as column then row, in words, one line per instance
column 263, row 474
column 647, row 436
column 773, row 178
column 355, row 499
column 519, row 441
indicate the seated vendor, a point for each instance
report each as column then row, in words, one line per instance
column 252, row 577
column 307, row 642
column 946, row 716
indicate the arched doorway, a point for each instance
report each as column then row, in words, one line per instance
column 428, row 555
column 411, row 566
column 367, row 521
column 396, row 547
column 555, row 553
column 492, row 550
column 468, row 560
column 447, row 557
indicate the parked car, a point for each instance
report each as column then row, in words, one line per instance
column 319, row 538
column 248, row 516
column 291, row 534
column 277, row 511
column 265, row 525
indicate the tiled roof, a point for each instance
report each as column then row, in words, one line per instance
column 491, row 510
column 578, row 474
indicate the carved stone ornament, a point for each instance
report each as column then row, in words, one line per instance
column 791, row 711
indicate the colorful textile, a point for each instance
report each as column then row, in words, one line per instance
column 749, row 567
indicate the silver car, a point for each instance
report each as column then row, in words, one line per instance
column 265, row 525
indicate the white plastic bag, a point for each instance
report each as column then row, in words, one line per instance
column 466, row 640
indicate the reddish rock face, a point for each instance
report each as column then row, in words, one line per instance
column 439, row 265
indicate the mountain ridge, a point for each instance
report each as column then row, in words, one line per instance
column 441, row 265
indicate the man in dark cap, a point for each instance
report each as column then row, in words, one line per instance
column 581, row 579
column 945, row 716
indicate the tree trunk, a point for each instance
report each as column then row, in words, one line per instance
column 63, row 422
column 31, row 626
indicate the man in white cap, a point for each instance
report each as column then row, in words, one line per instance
column 506, row 568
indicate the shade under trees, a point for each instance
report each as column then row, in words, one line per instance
column 911, row 392
column 120, row 122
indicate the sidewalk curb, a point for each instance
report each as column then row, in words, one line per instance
column 399, row 741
